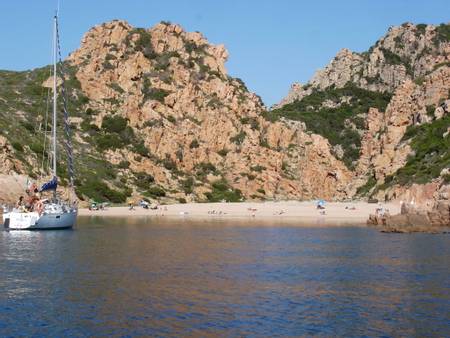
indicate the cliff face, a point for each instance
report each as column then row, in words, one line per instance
column 156, row 115
column 401, row 146
column 405, row 52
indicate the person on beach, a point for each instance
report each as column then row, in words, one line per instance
column 321, row 204
column 380, row 210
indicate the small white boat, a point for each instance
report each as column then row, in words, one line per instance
column 53, row 213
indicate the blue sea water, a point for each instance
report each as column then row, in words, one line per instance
column 153, row 277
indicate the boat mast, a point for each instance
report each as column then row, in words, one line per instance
column 54, row 94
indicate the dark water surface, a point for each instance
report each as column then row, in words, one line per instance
column 138, row 277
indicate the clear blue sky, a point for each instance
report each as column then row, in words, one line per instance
column 272, row 43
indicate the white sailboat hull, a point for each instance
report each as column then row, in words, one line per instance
column 32, row 221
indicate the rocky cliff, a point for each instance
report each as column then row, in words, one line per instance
column 406, row 52
column 385, row 112
column 154, row 114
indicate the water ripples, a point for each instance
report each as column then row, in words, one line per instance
column 140, row 277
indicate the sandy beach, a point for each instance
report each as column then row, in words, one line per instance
column 336, row 213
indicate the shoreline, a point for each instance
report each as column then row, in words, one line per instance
column 306, row 213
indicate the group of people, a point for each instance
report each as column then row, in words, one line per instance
column 32, row 201
column 144, row 204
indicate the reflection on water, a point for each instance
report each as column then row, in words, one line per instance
column 150, row 277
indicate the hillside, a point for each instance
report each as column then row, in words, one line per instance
column 155, row 115
column 384, row 111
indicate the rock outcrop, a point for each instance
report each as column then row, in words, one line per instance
column 412, row 63
column 415, row 219
column 157, row 115
column 405, row 52
column 383, row 149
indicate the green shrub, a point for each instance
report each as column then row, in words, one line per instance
column 143, row 180
column 223, row 152
column 100, row 192
column 257, row 168
column 171, row 119
column 441, row 64
column 123, row 164
column 108, row 141
column 86, row 126
column 421, row 27
column 214, row 102
column 263, row 143
column 114, row 124
column 391, row 57
column 17, row 146
column 188, row 185
column 419, row 80
column 115, row 133
column 363, row 190
column 250, row 177
column 107, row 65
column 206, row 168
column 431, row 153
column 238, row 138
column 141, row 149
column 109, row 57
column 117, row 87
column 253, row 122
column 430, row 110
column 395, row 59
column 37, row 148
column 156, row 94
column 28, row 126
column 221, row 191
column 191, row 46
column 151, row 93
column 194, row 144
column 442, row 34
column 271, row 116
column 143, row 43
column 169, row 164
column 155, row 192
column 153, row 123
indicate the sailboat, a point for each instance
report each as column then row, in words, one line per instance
column 53, row 213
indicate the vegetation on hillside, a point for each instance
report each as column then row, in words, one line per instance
column 24, row 92
column 442, row 33
column 221, row 191
column 340, row 125
column 431, row 153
